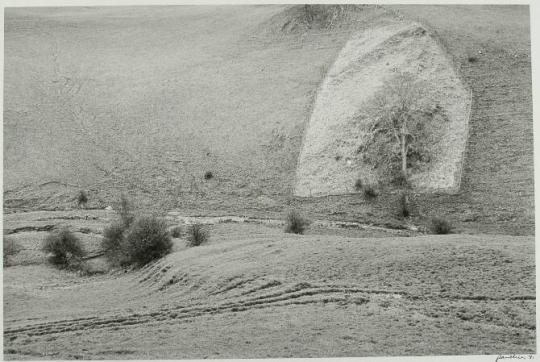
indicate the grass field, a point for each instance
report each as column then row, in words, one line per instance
column 254, row 291
column 165, row 95
column 146, row 101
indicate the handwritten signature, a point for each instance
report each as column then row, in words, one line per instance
column 514, row 356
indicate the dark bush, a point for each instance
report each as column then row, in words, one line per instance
column 472, row 59
column 370, row 192
column 64, row 247
column 176, row 232
column 147, row 239
column 358, row 185
column 197, row 235
column 440, row 226
column 403, row 209
column 208, row 175
column 113, row 242
column 82, row 198
column 10, row 249
column 295, row 223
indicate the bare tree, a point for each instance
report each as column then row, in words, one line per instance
column 397, row 133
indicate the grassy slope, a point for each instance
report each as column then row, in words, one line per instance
column 497, row 187
column 276, row 295
column 256, row 292
column 174, row 96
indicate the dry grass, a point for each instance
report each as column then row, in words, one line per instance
column 245, row 284
column 500, row 33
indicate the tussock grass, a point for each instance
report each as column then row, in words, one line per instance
column 295, row 223
column 440, row 226
column 82, row 198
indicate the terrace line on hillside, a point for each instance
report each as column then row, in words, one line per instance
column 329, row 163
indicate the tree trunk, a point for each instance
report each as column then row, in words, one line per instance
column 403, row 155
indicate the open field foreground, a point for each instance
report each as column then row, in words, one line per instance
column 254, row 291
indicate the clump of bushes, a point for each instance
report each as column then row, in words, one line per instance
column 208, row 175
column 113, row 242
column 472, row 59
column 132, row 240
column 176, row 232
column 440, row 226
column 295, row 223
column 146, row 239
column 82, row 198
column 197, row 235
column 11, row 248
column 64, row 247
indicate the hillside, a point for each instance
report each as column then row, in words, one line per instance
column 254, row 292
column 146, row 100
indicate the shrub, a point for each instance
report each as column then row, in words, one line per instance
column 10, row 249
column 440, row 226
column 295, row 223
column 176, row 232
column 403, row 210
column 472, row 59
column 370, row 192
column 197, row 235
column 208, row 175
column 82, row 198
column 112, row 243
column 147, row 239
column 358, row 185
column 125, row 210
column 64, row 247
